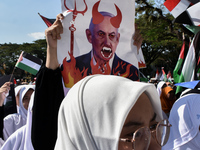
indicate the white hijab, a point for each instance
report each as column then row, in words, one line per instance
column 21, row 139
column 23, row 91
column 185, row 121
column 17, row 90
column 159, row 87
column 15, row 121
column 93, row 113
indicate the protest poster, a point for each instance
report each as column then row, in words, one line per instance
column 79, row 54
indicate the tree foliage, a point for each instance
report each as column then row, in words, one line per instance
column 162, row 37
column 10, row 53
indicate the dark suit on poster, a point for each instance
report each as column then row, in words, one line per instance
column 118, row 65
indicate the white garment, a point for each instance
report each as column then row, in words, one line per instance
column 1, row 142
column 15, row 121
column 185, row 121
column 159, row 87
column 17, row 90
column 21, row 139
column 93, row 113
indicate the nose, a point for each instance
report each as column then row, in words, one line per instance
column 107, row 41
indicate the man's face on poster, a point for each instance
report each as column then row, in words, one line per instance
column 104, row 39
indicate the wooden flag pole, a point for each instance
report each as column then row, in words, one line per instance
column 12, row 74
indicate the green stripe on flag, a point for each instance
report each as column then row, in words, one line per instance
column 175, row 72
column 26, row 68
column 181, row 79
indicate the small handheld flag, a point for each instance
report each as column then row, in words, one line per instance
column 48, row 21
column 29, row 63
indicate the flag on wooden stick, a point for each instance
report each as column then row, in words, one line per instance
column 29, row 63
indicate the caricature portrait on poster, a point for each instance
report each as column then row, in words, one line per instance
column 97, row 39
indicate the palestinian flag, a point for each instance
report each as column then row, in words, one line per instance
column 157, row 75
column 190, row 16
column 164, row 76
column 169, row 77
column 179, row 64
column 190, row 66
column 29, row 63
column 48, row 21
column 176, row 7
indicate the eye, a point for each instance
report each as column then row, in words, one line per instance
column 112, row 36
column 100, row 34
column 130, row 135
column 138, row 134
column 153, row 127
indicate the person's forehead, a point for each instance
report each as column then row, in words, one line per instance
column 142, row 111
column 105, row 26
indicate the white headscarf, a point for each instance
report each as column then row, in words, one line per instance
column 21, row 139
column 15, row 121
column 93, row 113
column 17, row 90
column 185, row 121
column 23, row 91
column 159, row 86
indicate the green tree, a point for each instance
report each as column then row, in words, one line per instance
column 10, row 53
column 162, row 37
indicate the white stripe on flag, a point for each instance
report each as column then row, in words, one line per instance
column 194, row 12
column 189, row 64
column 30, row 64
column 180, row 7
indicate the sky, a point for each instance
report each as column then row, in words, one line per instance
column 20, row 22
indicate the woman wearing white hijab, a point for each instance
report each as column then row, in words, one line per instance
column 17, row 91
column 15, row 121
column 97, row 113
column 185, row 120
column 160, row 85
column 21, row 139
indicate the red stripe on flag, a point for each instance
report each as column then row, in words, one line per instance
column 198, row 61
column 171, row 4
column 48, row 23
column 163, row 72
column 182, row 51
column 20, row 57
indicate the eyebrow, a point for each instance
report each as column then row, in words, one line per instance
column 133, row 123
column 104, row 32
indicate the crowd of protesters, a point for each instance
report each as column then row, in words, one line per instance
column 16, row 129
column 98, row 112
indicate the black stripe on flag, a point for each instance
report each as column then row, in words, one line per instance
column 32, row 58
column 184, row 18
column 194, row 1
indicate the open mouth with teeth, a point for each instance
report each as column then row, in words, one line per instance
column 106, row 52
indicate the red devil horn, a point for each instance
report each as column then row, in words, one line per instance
column 97, row 17
column 115, row 21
